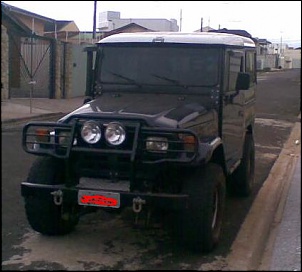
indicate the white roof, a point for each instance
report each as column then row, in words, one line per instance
column 180, row 37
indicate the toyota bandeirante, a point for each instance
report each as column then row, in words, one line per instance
column 169, row 126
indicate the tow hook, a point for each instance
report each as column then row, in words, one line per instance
column 137, row 204
column 57, row 197
column 137, row 207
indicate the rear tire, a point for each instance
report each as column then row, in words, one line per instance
column 200, row 224
column 42, row 214
column 242, row 180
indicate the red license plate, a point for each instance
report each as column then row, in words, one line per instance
column 98, row 199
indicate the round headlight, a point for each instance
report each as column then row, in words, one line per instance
column 115, row 134
column 91, row 132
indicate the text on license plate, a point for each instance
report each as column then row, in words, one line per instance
column 98, row 199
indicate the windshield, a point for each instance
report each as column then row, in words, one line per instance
column 181, row 67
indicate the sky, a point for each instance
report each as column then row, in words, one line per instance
column 276, row 21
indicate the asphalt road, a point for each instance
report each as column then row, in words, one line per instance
column 109, row 241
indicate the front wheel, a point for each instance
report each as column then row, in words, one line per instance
column 202, row 220
column 42, row 214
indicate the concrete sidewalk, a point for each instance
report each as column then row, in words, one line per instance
column 25, row 109
column 262, row 237
column 286, row 249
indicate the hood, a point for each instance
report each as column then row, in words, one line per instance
column 160, row 110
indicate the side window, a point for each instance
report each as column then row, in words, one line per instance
column 235, row 66
column 250, row 65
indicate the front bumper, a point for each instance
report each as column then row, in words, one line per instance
column 70, row 196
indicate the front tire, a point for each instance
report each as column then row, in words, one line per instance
column 202, row 220
column 42, row 214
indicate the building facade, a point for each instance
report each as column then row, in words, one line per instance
column 111, row 20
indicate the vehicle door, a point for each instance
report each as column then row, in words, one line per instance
column 233, row 128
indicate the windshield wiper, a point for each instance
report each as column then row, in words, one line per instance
column 176, row 82
column 132, row 81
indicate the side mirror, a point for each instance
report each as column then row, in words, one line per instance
column 243, row 81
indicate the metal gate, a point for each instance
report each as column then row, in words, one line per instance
column 31, row 67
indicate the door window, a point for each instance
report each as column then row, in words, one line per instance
column 235, row 66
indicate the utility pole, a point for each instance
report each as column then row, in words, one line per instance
column 32, row 82
column 201, row 23
column 180, row 20
column 94, row 21
column 281, row 45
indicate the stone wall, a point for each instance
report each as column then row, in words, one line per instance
column 267, row 61
column 68, row 70
column 63, row 78
column 4, row 63
column 57, row 75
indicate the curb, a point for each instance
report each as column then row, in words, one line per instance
column 249, row 245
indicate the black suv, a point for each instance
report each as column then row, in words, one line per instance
column 169, row 127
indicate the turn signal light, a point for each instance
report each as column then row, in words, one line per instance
column 42, row 135
column 189, row 142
